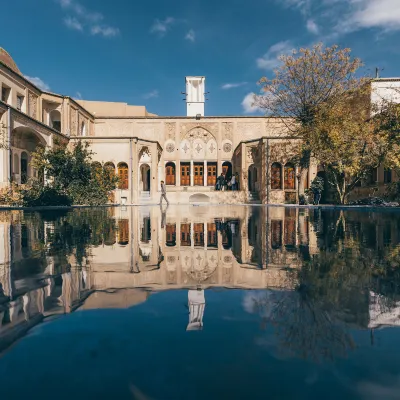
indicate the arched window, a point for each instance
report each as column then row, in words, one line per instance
column 170, row 173
column 123, row 175
column 83, row 129
column 16, row 163
column 289, row 176
column 171, row 235
column 110, row 167
column 276, row 176
column 24, row 167
column 123, row 231
column 96, row 166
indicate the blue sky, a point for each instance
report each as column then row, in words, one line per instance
column 140, row 51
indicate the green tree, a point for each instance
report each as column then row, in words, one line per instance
column 71, row 173
column 349, row 143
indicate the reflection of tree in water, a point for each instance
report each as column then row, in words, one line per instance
column 312, row 322
column 72, row 233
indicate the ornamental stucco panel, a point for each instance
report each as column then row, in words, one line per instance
column 169, row 150
column 74, row 121
column 227, row 131
column 32, row 105
column 227, row 149
column 211, row 150
column 198, row 149
column 170, row 130
column 196, row 130
column 185, row 150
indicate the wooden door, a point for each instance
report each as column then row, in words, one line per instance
column 185, row 234
column 211, row 175
column 198, row 175
column 198, row 234
column 185, row 175
column 170, row 175
column 212, row 240
column 171, row 234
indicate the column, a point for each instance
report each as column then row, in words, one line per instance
column 134, row 172
column 191, row 173
column 243, row 182
column 154, row 172
column 205, row 173
column 177, row 173
column 192, row 235
column 205, row 235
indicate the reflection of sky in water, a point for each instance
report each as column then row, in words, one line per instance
column 311, row 311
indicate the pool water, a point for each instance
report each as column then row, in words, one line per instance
column 234, row 302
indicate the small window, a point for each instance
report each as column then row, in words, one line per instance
column 20, row 102
column 387, row 175
column 5, row 94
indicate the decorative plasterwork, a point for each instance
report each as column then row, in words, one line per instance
column 74, row 122
column 170, row 147
column 227, row 131
column 193, row 130
column 32, row 105
column 170, row 128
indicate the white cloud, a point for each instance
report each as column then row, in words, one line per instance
column 152, row 94
column 270, row 60
column 73, row 23
column 302, row 5
column 384, row 14
column 248, row 104
column 38, row 82
column 106, row 31
column 345, row 16
column 78, row 96
column 161, row 27
column 312, row 27
column 82, row 19
column 190, row 35
column 228, row 86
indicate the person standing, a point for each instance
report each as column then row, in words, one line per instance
column 163, row 193
column 233, row 182
column 220, row 182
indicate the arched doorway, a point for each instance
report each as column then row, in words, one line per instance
column 227, row 170
column 24, row 141
column 170, row 173
column 252, row 178
column 24, row 167
column 144, row 185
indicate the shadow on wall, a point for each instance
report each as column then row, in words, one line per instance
column 199, row 198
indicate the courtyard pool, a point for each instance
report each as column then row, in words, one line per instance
column 203, row 302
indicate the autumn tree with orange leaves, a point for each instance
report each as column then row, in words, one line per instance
column 319, row 97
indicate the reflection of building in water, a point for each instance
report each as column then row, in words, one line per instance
column 382, row 312
column 233, row 247
column 197, row 305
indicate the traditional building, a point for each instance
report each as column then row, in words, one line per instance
column 188, row 152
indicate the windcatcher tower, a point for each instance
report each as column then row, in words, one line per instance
column 195, row 88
